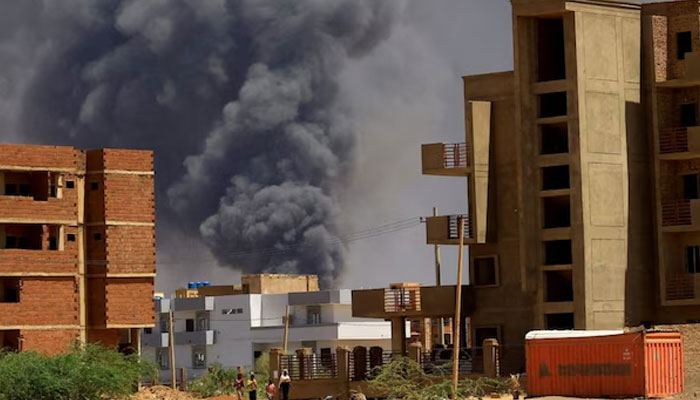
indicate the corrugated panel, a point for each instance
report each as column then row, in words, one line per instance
column 664, row 364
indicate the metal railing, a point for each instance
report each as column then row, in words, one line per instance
column 402, row 300
column 453, row 226
column 673, row 140
column 363, row 363
column 680, row 287
column 676, row 213
column 455, row 155
column 439, row 362
column 310, row 367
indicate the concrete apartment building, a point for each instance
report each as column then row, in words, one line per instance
column 582, row 169
column 233, row 325
column 77, row 246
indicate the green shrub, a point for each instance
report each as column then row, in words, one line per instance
column 219, row 380
column 405, row 379
column 89, row 373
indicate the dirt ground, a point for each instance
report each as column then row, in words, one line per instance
column 166, row 393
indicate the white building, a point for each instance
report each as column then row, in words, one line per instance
column 233, row 330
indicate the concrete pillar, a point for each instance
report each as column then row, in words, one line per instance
column 491, row 351
column 275, row 369
column 183, row 379
column 44, row 237
column 342, row 354
column 415, row 352
column 398, row 334
column 303, row 356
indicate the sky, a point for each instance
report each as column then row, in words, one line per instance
column 387, row 82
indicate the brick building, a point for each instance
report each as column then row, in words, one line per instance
column 77, row 246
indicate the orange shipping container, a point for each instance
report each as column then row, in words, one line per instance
column 601, row 364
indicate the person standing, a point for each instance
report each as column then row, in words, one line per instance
column 270, row 390
column 285, row 384
column 252, row 387
column 239, row 385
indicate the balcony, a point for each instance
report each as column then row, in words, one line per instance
column 451, row 159
column 690, row 78
column 683, row 288
column 445, row 229
column 193, row 304
column 156, row 339
column 679, row 143
column 194, row 338
column 426, row 301
column 680, row 215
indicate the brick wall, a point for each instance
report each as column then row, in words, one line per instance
column 94, row 198
column 46, row 261
column 127, row 159
column 43, row 301
column 130, row 301
column 105, row 337
column 40, row 156
column 49, row 341
column 129, row 198
column 131, row 249
column 96, row 302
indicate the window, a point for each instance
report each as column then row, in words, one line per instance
column 11, row 242
column 11, row 189
column 552, row 104
column 70, row 185
column 163, row 358
column 97, row 236
column 557, row 252
column 163, row 326
column 692, row 259
column 688, row 115
column 70, row 237
column 313, row 315
column 481, row 334
column 199, row 357
column 684, row 41
column 556, row 212
column 239, row 311
column 556, row 177
column 25, row 190
column 446, row 322
column 230, row 311
column 485, row 273
column 327, row 357
column 53, row 243
column 690, row 186
column 447, row 338
column 559, row 286
column 554, row 138
column 560, row 321
column 52, row 191
column 147, row 331
column 551, row 58
column 9, row 290
column 10, row 340
column 189, row 325
column 94, row 185
column 202, row 321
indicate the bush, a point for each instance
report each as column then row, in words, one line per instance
column 405, row 379
column 91, row 372
column 219, row 380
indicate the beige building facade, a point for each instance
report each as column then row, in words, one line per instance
column 582, row 169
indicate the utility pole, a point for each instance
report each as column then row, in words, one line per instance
column 456, row 324
column 438, row 282
column 286, row 330
column 171, row 346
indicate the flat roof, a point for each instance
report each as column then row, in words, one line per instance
column 563, row 334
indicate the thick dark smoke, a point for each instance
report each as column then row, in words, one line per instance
column 244, row 91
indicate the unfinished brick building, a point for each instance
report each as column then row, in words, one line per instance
column 77, row 246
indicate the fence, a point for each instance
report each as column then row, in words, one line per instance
column 676, row 213
column 310, row 366
column 673, row 140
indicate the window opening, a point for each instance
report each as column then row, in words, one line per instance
column 560, row 321
column 554, row 138
column 557, row 252
column 559, row 286
column 551, row 57
column 690, row 186
column 684, row 41
column 9, row 290
column 485, row 273
column 689, row 115
column 552, row 104
column 556, row 177
column 556, row 212
column 692, row 259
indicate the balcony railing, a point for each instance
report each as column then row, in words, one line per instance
column 673, row 140
column 455, row 155
column 453, row 226
column 402, row 300
column 680, row 287
column 676, row 213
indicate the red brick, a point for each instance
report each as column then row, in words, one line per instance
column 49, row 341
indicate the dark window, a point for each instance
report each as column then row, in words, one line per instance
column 11, row 242
column 313, row 315
column 10, row 189
column 70, row 237
column 556, row 177
column 685, row 44
column 690, row 186
column 560, row 321
column 10, row 340
column 25, row 190
column 189, row 325
column 556, row 212
column 53, row 243
column 97, row 236
column 552, row 104
column 554, row 138
column 551, row 58
column 326, row 357
column 557, row 252
column 148, row 331
column 447, row 338
column 485, row 271
column 52, row 191
column 257, row 354
column 9, row 290
column 70, row 185
column 481, row 334
column 559, row 286
column 94, row 185
column 692, row 259
column 688, row 115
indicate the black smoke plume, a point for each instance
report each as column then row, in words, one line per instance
column 238, row 98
